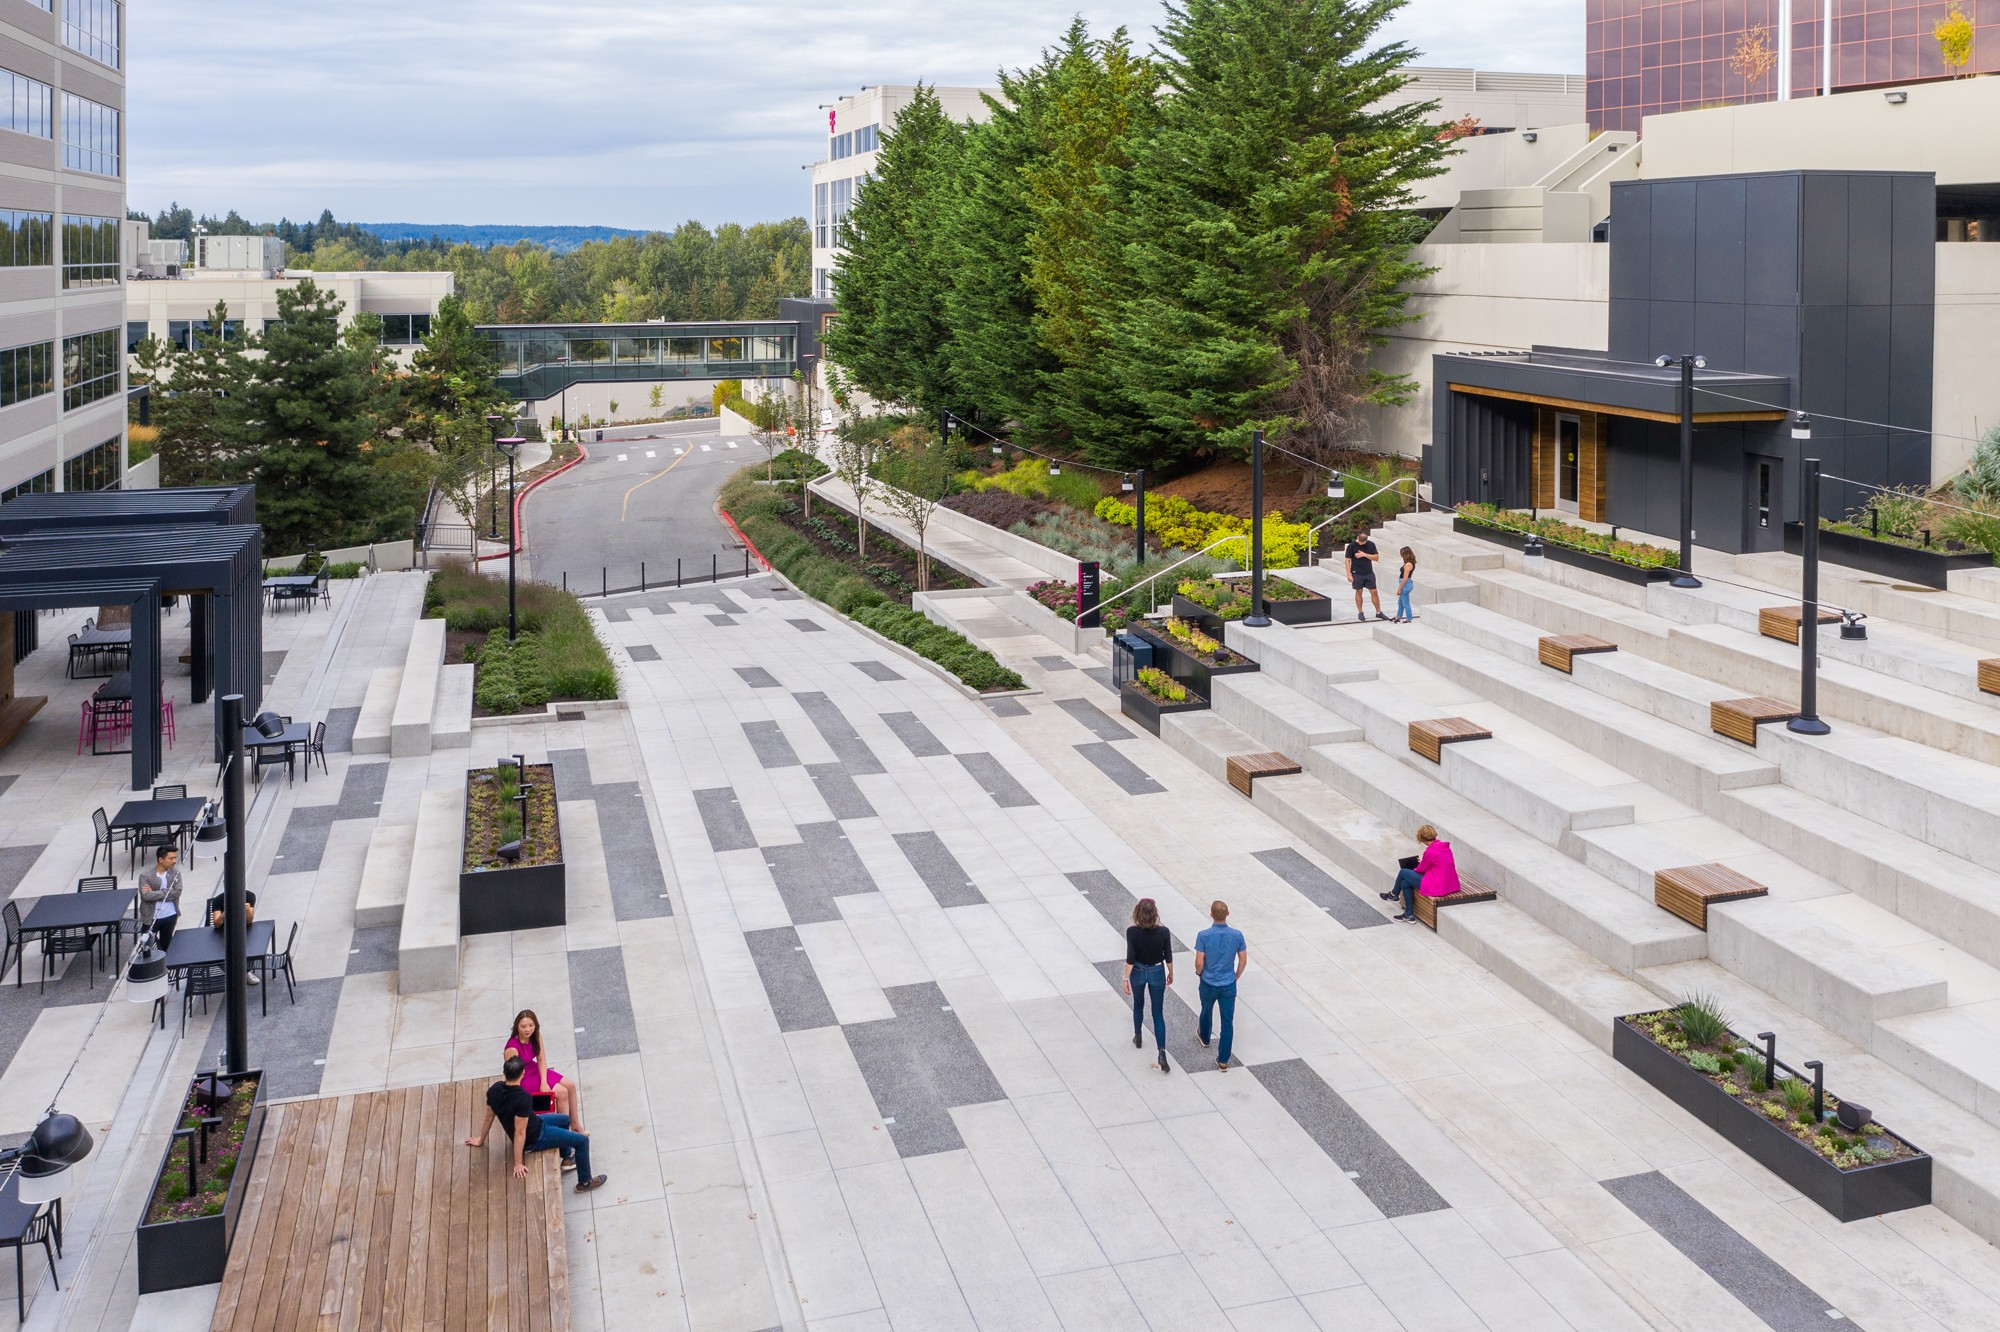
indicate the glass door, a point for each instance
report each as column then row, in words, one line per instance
column 1569, row 442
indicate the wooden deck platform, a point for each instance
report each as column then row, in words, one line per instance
column 1739, row 718
column 1782, row 622
column 370, row 1211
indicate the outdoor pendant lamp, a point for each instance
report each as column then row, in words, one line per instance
column 146, row 978
column 996, row 448
column 58, row 1142
column 269, row 725
column 1055, row 469
column 1532, row 557
column 1128, row 481
column 1335, row 489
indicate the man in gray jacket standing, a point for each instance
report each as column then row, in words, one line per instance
column 160, row 896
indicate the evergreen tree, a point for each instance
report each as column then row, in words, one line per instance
column 893, row 334
column 1260, row 229
column 195, row 395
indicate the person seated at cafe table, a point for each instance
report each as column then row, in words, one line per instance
column 219, row 903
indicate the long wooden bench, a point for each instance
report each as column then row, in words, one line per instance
column 1558, row 650
column 1429, row 737
column 1739, row 718
column 1469, row 890
column 1247, row 768
column 1689, row 891
column 1989, row 675
column 1782, row 622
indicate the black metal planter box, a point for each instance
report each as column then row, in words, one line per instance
column 1908, row 564
column 1143, row 709
column 1195, row 613
column 513, row 897
column 195, row 1250
column 1185, row 666
column 1850, row 1195
column 1315, row 609
column 1580, row 559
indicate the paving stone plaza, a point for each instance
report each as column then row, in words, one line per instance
column 841, row 975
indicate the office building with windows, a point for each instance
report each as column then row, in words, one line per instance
column 62, row 201
column 171, row 291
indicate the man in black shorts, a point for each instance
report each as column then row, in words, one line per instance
column 1361, row 557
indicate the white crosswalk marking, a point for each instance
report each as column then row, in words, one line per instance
column 651, row 454
column 621, row 457
column 732, row 444
column 706, row 449
column 679, row 452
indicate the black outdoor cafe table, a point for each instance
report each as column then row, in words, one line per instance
column 118, row 689
column 292, row 580
column 142, row 814
column 202, row 946
column 57, row 912
column 295, row 733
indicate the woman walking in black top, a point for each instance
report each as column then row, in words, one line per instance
column 1149, row 965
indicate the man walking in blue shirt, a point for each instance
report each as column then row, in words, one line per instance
column 1220, row 958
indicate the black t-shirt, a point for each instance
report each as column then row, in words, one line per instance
column 511, row 1103
column 1147, row 946
column 1355, row 551
column 219, row 903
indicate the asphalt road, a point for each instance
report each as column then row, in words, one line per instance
column 645, row 494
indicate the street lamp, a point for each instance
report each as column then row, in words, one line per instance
column 493, row 420
column 235, row 871
column 1256, row 619
column 1808, row 722
column 512, row 448
column 1688, row 363
column 58, row 1142
column 806, row 360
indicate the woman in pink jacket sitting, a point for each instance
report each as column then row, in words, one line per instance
column 539, row 1080
column 1434, row 875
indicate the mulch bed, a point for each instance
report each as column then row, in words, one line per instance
column 890, row 564
column 541, row 843
column 172, row 1201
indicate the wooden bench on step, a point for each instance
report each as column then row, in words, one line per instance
column 1469, row 890
column 1739, row 718
column 1557, row 650
column 1689, row 891
column 1782, row 622
column 1246, row 768
column 1428, row 737
column 1989, row 675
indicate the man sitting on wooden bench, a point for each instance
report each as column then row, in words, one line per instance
column 1434, row 873
column 508, row 1101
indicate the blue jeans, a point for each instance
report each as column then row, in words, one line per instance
column 1223, row 996
column 556, row 1133
column 1403, row 603
column 1150, row 980
column 1407, row 883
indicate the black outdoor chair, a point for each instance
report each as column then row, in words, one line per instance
column 203, row 981
column 316, row 748
column 265, row 756
column 269, row 964
column 39, row 1230
column 11, row 914
column 325, row 588
column 100, row 883
column 107, row 836
column 157, row 838
column 66, row 943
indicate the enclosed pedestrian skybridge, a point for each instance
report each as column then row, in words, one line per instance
column 538, row 361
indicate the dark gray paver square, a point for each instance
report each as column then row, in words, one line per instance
column 1055, row 663
column 340, row 724
column 374, row 949
column 642, row 652
column 843, row 798
column 721, row 619
column 273, row 663
column 916, row 736
column 791, row 984
column 839, row 733
column 631, row 856
column 1131, row 779
column 876, row 670
column 807, row 626
column 572, row 774
column 1007, row 707
column 15, row 862
column 361, row 792
column 996, row 781
column 723, row 818
column 1382, row 1175
column 1184, row 1048
column 7, row 781
column 1113, row 901
column 948, row 880
column 1102, row 675
column 1320, row 888
column 1714, row 1246
column 1093, row 719
column 813, row 871
column 601, row 1003
column 919, row 1065
column 768, row 743
column 757, row 677
column 286, row 1042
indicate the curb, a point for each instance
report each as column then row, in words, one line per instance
column 748, row 544
column 521, row 497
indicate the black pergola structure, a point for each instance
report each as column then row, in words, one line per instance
column 66, row 512
column 138, row 566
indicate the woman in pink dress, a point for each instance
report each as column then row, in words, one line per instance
column 538, row 1081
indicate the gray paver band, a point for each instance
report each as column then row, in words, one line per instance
column 797, row 998
column 1320, row 888
column 839, row 733
column 948, row 880
column 1183, row 1013
column 1114, row 902
column 1379, row 1171
column 1093, row 719
column 768, row 743
column 723, row 818
column 642, row 652
column 1131, row 779
column 919, row 1065
column 1002, row 707
column 807, row 626
column 876, row 670
column 996, row 781
column 757, row 677
column 601, row 1003
column 843, row 798
column 813, row 871
column 916, row 736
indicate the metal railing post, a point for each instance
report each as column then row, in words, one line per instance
column 642, row 575
column 603, row 580
column 711, row 566
column 677, row 571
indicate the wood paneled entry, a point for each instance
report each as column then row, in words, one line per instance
column 1569, row 462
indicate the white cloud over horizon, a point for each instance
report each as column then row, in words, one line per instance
column 631, row 113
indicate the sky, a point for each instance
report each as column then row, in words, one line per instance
column 629, row 113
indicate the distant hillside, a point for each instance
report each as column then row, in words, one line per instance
column 560, row 239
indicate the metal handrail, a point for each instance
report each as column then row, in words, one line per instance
column 1312, row 533
column 1219, row 541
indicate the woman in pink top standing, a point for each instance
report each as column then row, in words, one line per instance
column 538, row 1081
column 1434, row 875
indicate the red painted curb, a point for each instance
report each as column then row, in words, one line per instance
column 748, row 544
column 520, row 498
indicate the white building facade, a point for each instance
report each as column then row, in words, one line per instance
column 62, row 201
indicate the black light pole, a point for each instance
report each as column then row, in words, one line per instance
column 806, row 360
column 493, row 420
column 1139, row 512
column 1256, row 619
column 1688, row 363
column 1808, row 722
column 235, row 917
column 510, row 447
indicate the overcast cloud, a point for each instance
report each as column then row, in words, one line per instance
column 634, row 113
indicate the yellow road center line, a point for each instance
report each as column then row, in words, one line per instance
column 626, row 502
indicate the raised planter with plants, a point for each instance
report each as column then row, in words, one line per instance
column 190, row 1218
column 1832, row 1152
column 1567, row 543
column 1192, row 656
column 512, row 877
column 1154, row 694
column 1212, row 601
column 1905, row 560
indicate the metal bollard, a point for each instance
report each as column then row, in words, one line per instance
column 677, row 571
column 603, row 581
column 746, row 561
column 642, row 575
column 711, row 567
column 565, row 580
